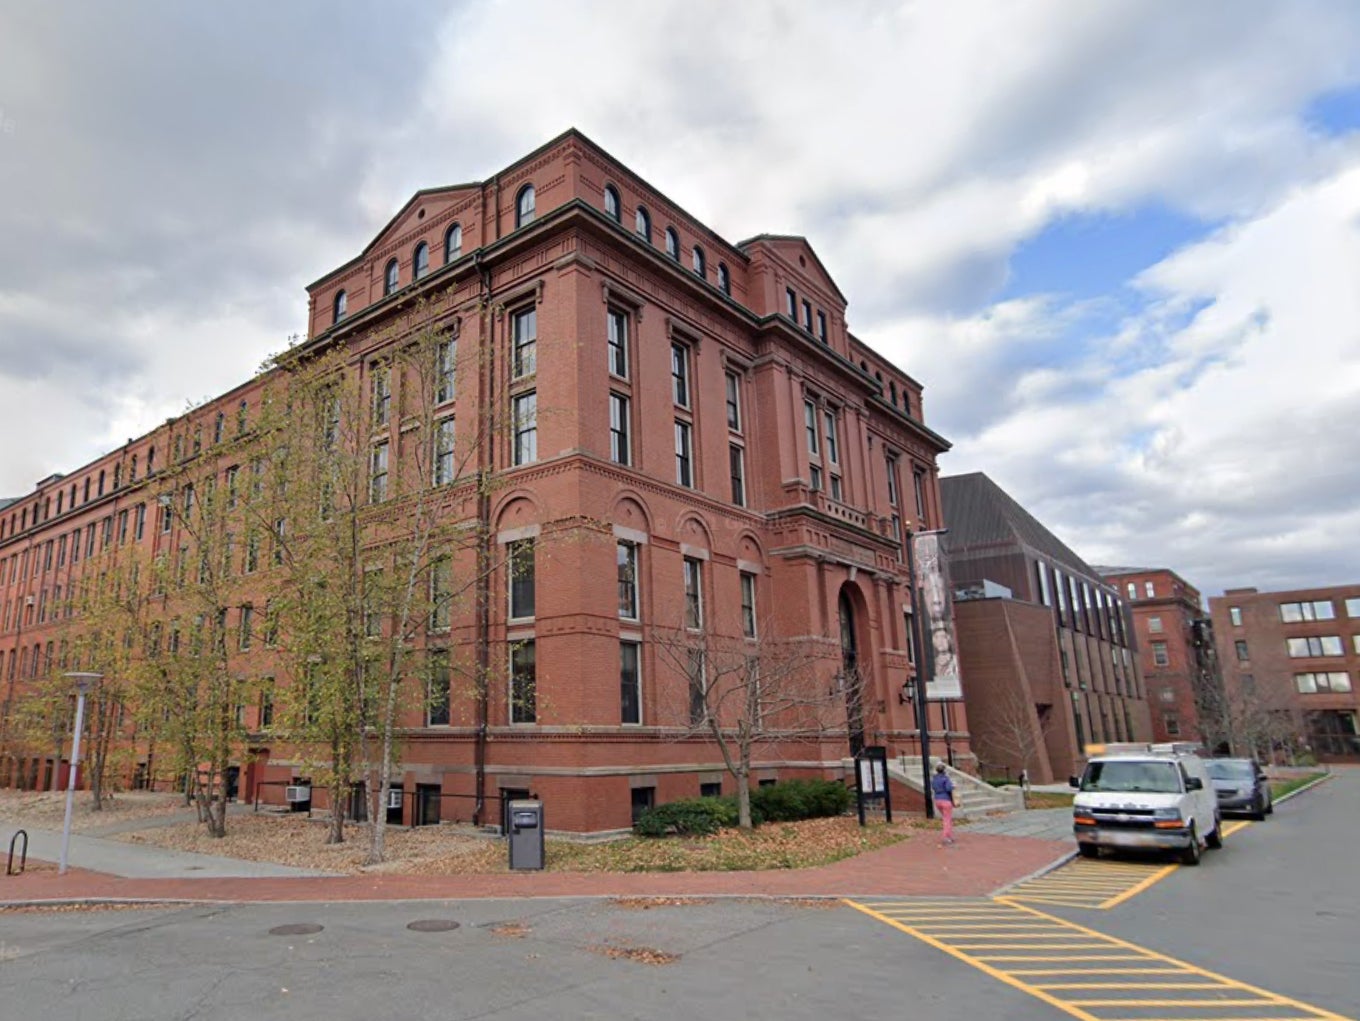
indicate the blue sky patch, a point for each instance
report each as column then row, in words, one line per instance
column 1334, row 113
column 1092, row 254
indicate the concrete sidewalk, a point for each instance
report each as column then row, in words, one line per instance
column 115, row 858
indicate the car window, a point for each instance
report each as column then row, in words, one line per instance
column 1129, row 775
column 1231, row 769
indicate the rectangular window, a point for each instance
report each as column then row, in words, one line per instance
column 807, row 316
column 524, row 327
column 138, row 524
column 684, row 468
column 680, row 374
column 1241, row 650
column 1317, row 645
column 252, row 551
column 618, row 344
column 918, row 486
column 441, row 595
column 377, row 473
column 627, row 555
column 733, row 384
column 1159, row 656
column 694, row 597
column 247, row 626
column 748, row 604
column 1148, row 589
column 791, row 304
column 736, row 458
column 1353, row 607
column 437, row 691
column 1155, row 625
column 1172, row 725
column 698, row 687
column 1331, row 680
column 832, row 451
column 630, row 682
column 520, row 571
column 821, row 327
column 232, row 472
column 382, row 394
column 443, row 452
column 810, row 426
column 814, row 478
column 1133, row 590
column 836, row 488
column 523, row 683
column 1293, row 613
column 620, row 446
column 446, row 358
column 892, row 481
column 1235, row 615
column 525, row 414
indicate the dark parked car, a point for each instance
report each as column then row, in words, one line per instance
column 1241, row 786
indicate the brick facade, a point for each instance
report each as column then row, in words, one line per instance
column 761, row 330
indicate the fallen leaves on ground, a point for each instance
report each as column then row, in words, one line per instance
column 643, row 955
column 47, row 809
column 647, row 903
column 511, row 930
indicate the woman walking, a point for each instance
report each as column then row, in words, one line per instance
column 942, row 791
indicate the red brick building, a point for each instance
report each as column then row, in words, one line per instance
column 694, row 415
column 1044, row 643
column 1292, row 657
column 1175, row 650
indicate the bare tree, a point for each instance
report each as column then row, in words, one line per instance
column 751, row 697
column 1010, row 733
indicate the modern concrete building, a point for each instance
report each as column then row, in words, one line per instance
column 1291, row 667
column 1045, row 643
column 1176, row 653
column 696, row 439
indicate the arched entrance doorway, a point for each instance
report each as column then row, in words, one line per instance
column 852, row 679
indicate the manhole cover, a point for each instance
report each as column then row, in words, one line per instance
column 433, row 925
column 296, row 929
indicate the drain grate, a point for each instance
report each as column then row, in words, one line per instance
column 296, row 929
column 432, row 925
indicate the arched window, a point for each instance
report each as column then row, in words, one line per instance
column 644, row 224
column 524, row 206
column 420, row 261
column 390, row 278
column 700, row 266
column 134, row 476
column 453, row 244
column 724, row 279
column 338, row 308
column 611, row 203
column 672, row 244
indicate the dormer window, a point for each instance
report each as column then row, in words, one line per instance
column 453, row 243
column 611, row 204
column 390, row 278
column 700, row 266
column 644, row 224
column 524, row 206
column 338, row 307
column 724, row 279
column 420, row 261
column 672, row 244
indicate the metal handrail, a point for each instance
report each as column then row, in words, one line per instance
column 23, row 856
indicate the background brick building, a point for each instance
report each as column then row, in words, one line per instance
column 1291, row 665
column 1045, row 644
column 1176, row 653
column 689, row 436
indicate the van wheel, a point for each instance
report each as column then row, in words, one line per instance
column 1190, row 856
column 1215, row 839
column 1088, row 850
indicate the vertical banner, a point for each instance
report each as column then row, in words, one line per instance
column 937, row 620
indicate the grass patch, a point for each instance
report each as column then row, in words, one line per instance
column 1279, row 788
column 1048, row 799
column 791, row 845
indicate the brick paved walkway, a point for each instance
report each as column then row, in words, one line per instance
column 977, row 865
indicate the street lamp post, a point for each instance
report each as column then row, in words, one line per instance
column 84, row 681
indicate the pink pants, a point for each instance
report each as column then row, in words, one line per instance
column 946, row 813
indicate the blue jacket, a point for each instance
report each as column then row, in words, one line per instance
column 941, row 787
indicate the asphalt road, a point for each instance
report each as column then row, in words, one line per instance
column 1276, row 908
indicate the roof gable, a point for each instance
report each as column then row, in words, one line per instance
column 794, row 250
column 978, row 512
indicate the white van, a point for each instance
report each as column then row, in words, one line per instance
column 1146, row 796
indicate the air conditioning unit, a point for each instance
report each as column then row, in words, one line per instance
column 28, row 600
column 295, row 793
column 394, row 799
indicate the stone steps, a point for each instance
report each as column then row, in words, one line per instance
column 975, row 798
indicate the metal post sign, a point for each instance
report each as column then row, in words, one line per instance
column 871, row 781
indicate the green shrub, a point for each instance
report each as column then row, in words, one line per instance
column 782, row 802
column 800, row 799
column 689, row 817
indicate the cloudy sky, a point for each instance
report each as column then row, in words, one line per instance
column 1118, row 242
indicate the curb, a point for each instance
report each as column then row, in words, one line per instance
column 1306, row 787
column 1052, row 866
